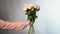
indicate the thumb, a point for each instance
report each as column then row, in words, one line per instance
column 28, row 23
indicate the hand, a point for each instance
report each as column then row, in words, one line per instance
column 22, row 25
column 28, row 23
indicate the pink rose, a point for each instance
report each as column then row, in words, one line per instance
column 37, row 7
column 31, row 7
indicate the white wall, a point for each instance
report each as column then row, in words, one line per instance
column 52, row 15
column 48, row 21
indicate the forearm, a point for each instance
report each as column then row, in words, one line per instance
column 11, row 25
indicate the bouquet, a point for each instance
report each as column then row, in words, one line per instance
column 31, row 10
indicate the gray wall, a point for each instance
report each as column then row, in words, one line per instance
column 48, row 21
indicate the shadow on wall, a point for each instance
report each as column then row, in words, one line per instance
column 3, row 31
column 4, row 15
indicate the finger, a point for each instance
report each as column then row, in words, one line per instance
column 28, row 23
column 23, row 26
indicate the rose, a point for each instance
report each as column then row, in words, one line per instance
column 31, row 7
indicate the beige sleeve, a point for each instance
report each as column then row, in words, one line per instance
column 11, row 26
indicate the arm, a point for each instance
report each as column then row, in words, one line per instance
column 12, row 25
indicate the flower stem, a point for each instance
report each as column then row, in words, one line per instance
column 31, row 29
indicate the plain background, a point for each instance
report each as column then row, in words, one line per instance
column 48, row 21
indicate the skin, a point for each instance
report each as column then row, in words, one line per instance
column 13, row 25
